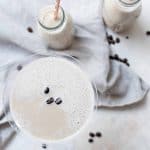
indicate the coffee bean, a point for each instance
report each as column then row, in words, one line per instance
column 58, row 101
column 50, row 101
column 117, row 40
column 44, row 146
column 127, row 37
column 46, row 91
column 113, row 42
column 75, row 57
column 128, row 64
column 148, row 33
column 110, row 37
column 90, row 140
column 91, row 134
column 98, row 134
column 19, row 67
column 116, row 57
column 109, row 42
column 111, row 57
column 125, row 60
column 29, row 29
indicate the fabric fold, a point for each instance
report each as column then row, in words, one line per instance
column 124, row 87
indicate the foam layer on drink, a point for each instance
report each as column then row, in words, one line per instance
column 46, row 17
column 28, row 100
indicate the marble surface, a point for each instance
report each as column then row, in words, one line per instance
column 124, row 128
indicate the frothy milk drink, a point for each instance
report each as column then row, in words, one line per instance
column 51, row 99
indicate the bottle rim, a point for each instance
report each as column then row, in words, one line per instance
column 59, row 25
column 130, row 3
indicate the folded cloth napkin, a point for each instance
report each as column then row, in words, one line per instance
column 116, row 84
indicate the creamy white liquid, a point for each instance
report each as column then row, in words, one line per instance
column 62, row 36
column 118, row 16
column 46, row 17
column 28, row 101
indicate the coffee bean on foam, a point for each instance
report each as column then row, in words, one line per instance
column 46, row 91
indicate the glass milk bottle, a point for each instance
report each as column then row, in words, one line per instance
column 56, row 33
column 119, row 15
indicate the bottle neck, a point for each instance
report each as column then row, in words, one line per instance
column 129, row 3
column 55, row 27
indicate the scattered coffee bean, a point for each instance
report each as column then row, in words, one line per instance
column 109, row 42
column 29, row 29
column 116, row 57
column 128, row 64
column 50, row 101
column 44, row 146
column 58, row 101
column 111, row 57
column 148, row 33
column 110, row 37
column 46, row 91
column 90, row 140
column 75, row 57
column 113, row 42
column 98, row 134
column 19, row 67
column 125, row 60
column 91, row 134
column 117, row 40
column 127, row 37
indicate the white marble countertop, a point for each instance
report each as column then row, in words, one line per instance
column 122, row 129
